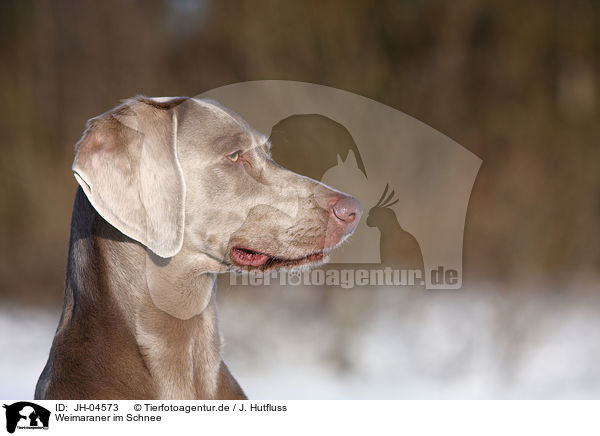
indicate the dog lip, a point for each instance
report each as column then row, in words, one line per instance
column 248, row 258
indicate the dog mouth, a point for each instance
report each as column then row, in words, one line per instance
column 251, row 259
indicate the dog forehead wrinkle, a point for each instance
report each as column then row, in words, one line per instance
column 224, row 113
column 201, row 125
column 232, row 141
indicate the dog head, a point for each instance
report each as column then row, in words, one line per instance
column 175, row 173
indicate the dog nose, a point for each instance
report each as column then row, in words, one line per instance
column 347, row 211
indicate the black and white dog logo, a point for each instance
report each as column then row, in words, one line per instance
column 26, row 415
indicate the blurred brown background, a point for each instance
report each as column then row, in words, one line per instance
column 517, row 83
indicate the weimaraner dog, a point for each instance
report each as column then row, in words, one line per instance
column 171, row 192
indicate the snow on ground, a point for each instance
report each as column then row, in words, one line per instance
column 25, row 339
column 294, row 343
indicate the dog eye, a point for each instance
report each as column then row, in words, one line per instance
column 233, row 157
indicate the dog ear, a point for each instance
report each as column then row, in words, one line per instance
column 126, row 163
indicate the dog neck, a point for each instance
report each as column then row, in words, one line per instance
column 115, row 333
